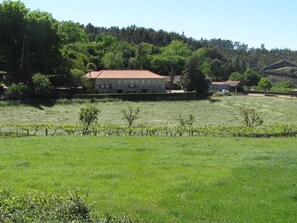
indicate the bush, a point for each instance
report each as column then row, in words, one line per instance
column 250, row 117
column 41, row 85
column 265, row 84
column 36, row 207
column 17, row 91
column 87, row 116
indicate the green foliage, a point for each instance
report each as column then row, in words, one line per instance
column 41, row 207
column 75, row 78
column 72, row 32
column 193, row 79
column 44, row 42
column 12, row 18
column 91, row 66
column 251, row 77
column 17, row 91
column 88, row 116
column 265, row 83
column 283, row 86
column 113, row 60
column 41, row 85
column 250, row 117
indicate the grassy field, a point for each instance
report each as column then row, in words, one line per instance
column 159, row 179
column 224, row 110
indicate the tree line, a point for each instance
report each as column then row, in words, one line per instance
column 34, row 42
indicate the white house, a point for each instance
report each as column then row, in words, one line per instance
column 127, row 81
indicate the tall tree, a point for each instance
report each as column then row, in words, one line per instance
column 13, row 29
column 193, row 78
column 45, row 42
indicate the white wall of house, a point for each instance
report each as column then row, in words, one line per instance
column 130, row 85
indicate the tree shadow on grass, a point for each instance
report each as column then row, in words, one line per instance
column 39, row 104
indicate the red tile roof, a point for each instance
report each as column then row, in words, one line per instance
column 123, row 74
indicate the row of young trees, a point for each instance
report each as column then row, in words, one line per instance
column 34, row 42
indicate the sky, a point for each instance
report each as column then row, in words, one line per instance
column 253, row 22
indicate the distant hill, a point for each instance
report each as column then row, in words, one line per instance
column 283, row 70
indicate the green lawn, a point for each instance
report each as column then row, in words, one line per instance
column 225, row 110
column 161, row 179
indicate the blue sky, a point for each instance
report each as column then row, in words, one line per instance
column 273, row 23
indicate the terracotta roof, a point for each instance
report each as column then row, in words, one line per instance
column 233, row 83
column 123, row 74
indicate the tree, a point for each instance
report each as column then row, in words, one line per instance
column 41, row 85
column 236, row 76
column 212, row 63
column 88, row 116
column 72, row 32
column 113, row 60
column 75, row 78
column 172, row 57
column 265, row 83
column 130, row 114
column 44, row 42
column 193, row 79
column 13, row 28
column 251, row 77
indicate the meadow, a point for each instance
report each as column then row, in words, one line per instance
column 159, row 179
column 219, row 111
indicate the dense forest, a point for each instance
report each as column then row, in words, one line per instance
column 33, row 42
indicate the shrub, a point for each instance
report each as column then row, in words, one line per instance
column 87, row 116
column 41, row 85
column 41, row 207
column 250, row 117
column 265, row 83
column 183, row 122
column 17, row 91
column 130, row 114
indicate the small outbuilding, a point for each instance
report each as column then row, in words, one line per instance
column 232, row 86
